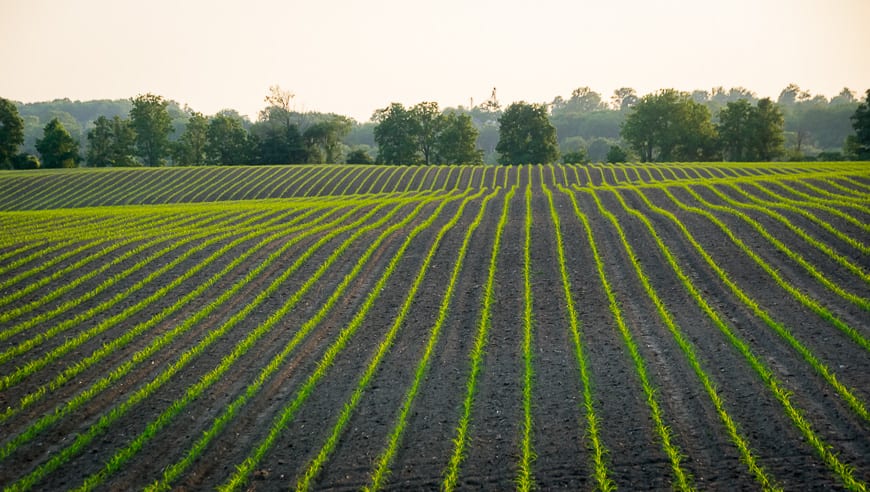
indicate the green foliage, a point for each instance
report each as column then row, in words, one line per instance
column 583, row 100
column 11, row 132
column 323, row 139
column 575, row 157
column 277, row 144
column 457, row 141
column 426, row 124
column 190, row 149
column 227, row 141
column 26, row 161
column 396, row 135
column 668, row 125
column 526, row 135
column 358, row 156
column 150, row 120
column 617, row 154
column 859, row 144
column 423, row 135
column 750, row 133
column 57, row 147
column 111, row 143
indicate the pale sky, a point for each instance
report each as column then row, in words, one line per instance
column 353, row 57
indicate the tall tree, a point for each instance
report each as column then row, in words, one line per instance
column 792, row 94
column 323, row 139
column 858, row 145
column 396, row 135
column 190, row 149
column 669, row 125
column 227, row 141
column 585, row 100
column 767, row 132
column 426, row 125
column 123, row 143
column 734, row 127
column 111, row 143
column 623, row 98
column 57, row 148
column 152, row 123
column 100, row 143
column 11, row 132
column 456, row 142
column 526, row 135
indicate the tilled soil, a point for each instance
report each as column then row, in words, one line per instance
column 56, row 438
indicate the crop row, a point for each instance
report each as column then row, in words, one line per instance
column 100, row 187
column 312, row 341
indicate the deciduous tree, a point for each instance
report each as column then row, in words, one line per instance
column 358, row 156
column 858, row 145
column 323, row 139
column 669, row 125
column 111, row 143
column 151, row 121
column 190, row 149
column 100, row 143
column 456, row 143
column 526, row 135
column 426, row 124
column 57, row 148
column 396, row 135
column 11, row 132
column 227, row 141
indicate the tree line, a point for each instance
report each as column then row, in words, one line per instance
column 667, row 125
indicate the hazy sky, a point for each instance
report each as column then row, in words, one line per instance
column 352, row 57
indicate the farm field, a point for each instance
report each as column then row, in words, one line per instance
column 628, row 326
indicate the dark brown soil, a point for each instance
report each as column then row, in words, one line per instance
column 560, row 439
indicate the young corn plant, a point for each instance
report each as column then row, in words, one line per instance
column 244, row 469
column 843, row 471
column 688, row 349
column 682, row 479
column 599, row 451
column 460, row 441
column 384, row 462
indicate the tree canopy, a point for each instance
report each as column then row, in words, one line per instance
column 425, row 135
column 190, row 149
column 526, row 135
column 737, row 125
column 151, row 121
column 11, row 132
column 751, row 133
column 111, row 143
column 858, row 145
column 57, row 147
column 669, row 125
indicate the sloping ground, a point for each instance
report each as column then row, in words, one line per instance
column 690, row 326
